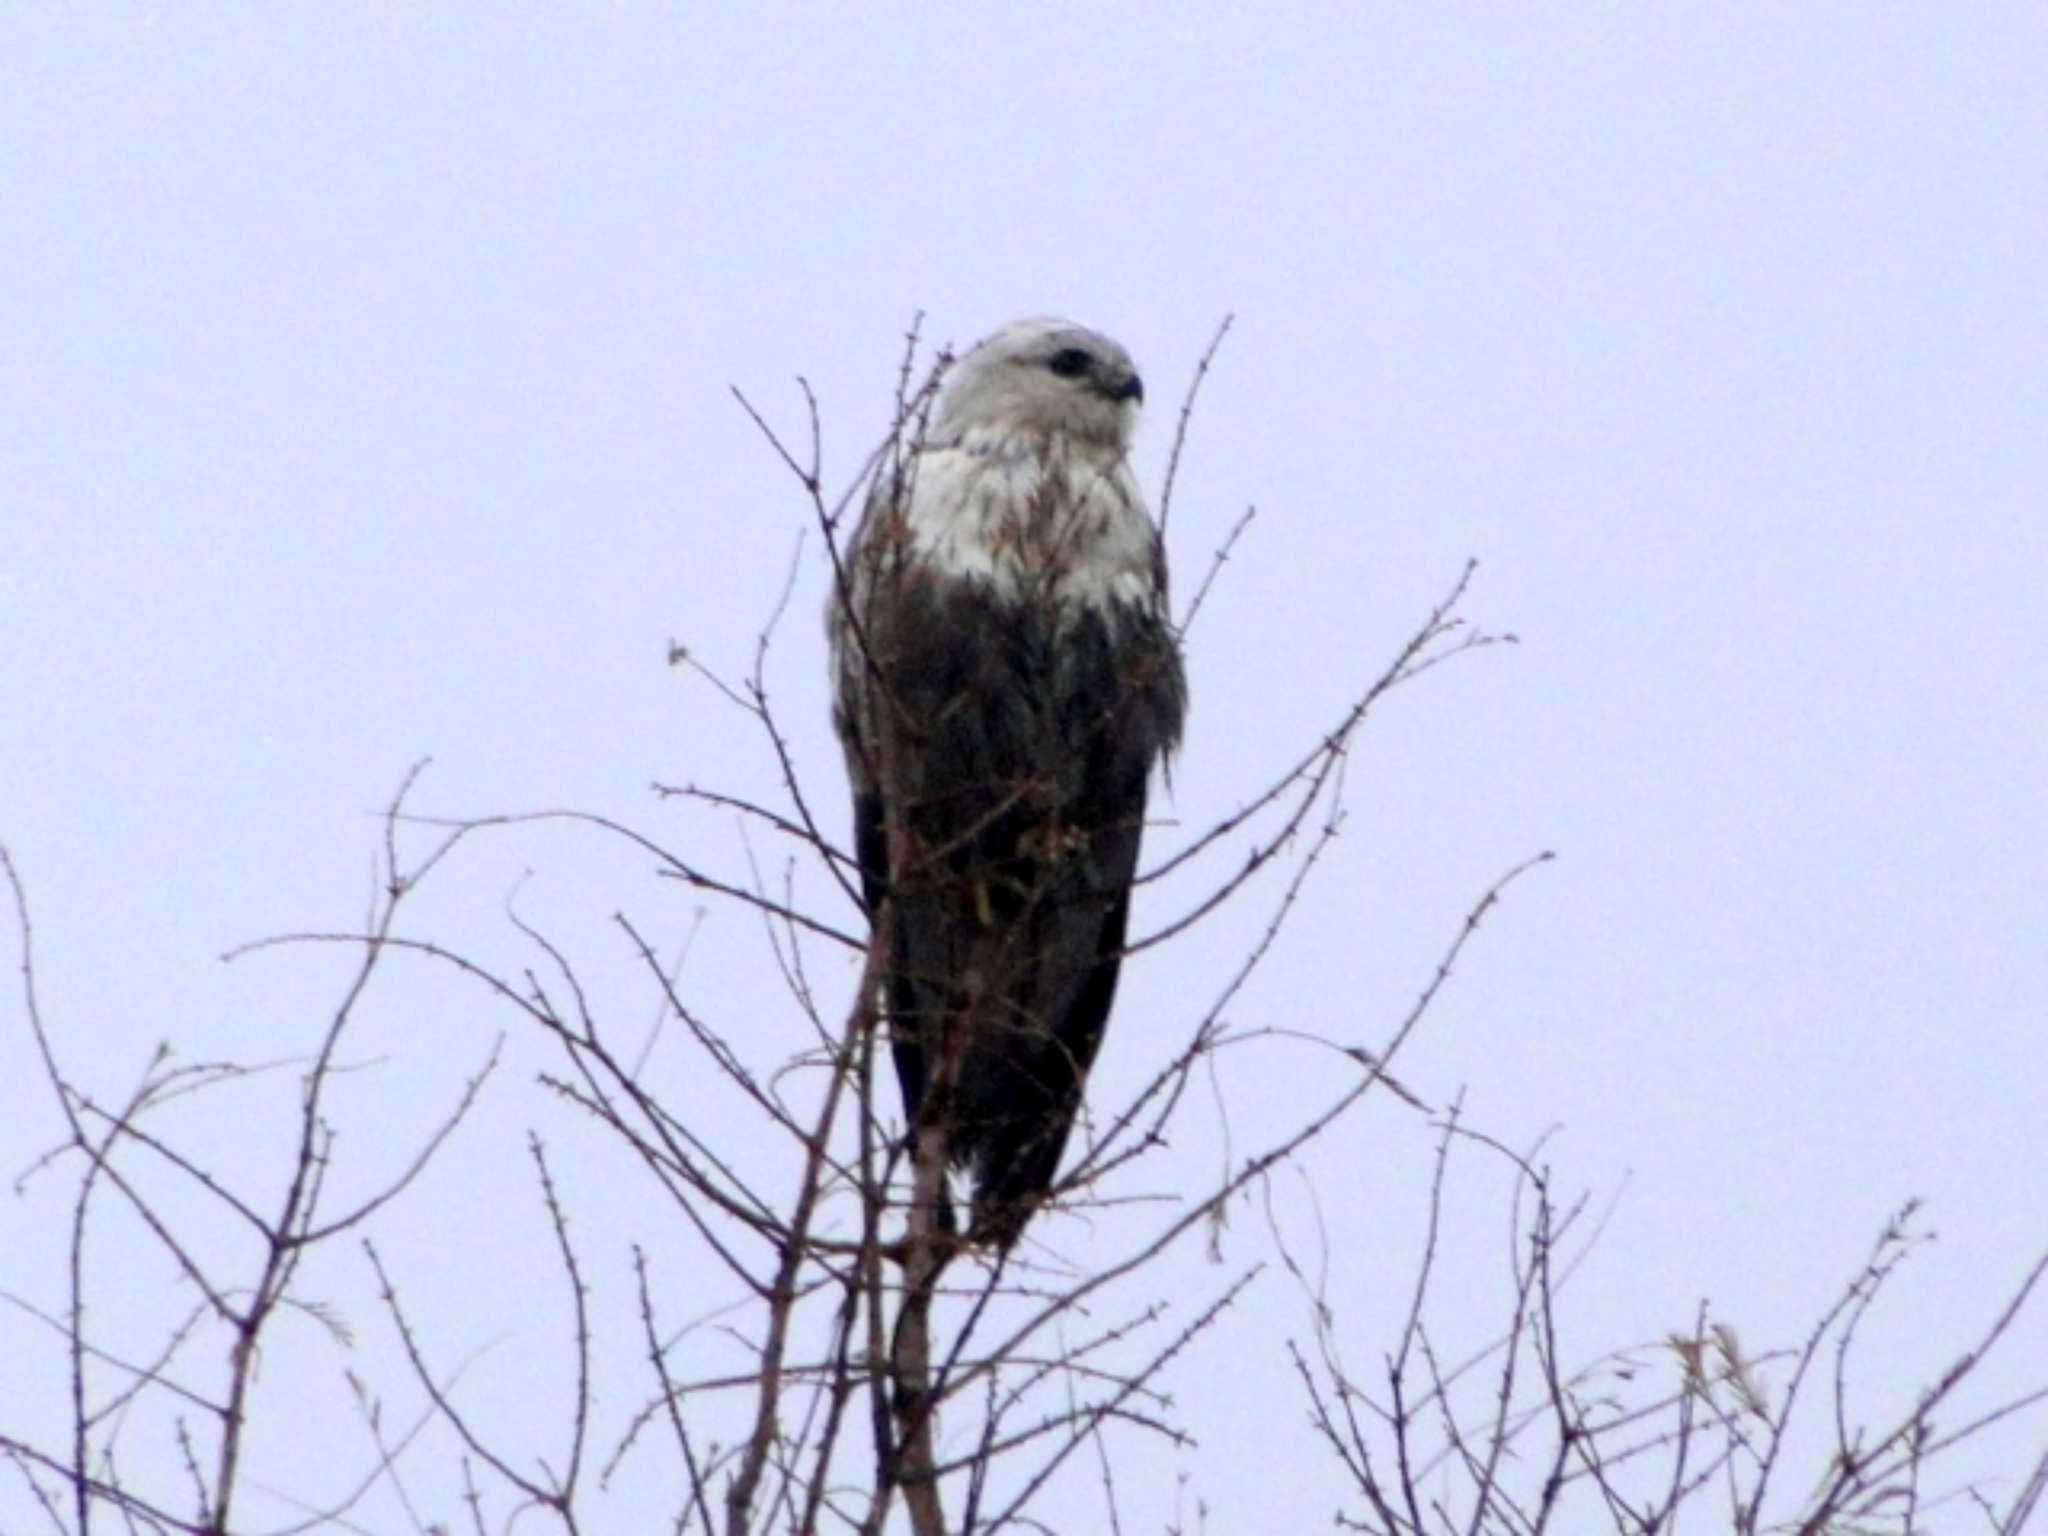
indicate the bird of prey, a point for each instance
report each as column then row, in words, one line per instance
column 1006, row 677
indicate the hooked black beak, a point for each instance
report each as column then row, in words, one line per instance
column 1132, row 389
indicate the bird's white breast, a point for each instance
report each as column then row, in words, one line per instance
column 1033, row 519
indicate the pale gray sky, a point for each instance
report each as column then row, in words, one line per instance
column 364, row 396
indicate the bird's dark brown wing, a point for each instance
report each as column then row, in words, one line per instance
column 999, row 803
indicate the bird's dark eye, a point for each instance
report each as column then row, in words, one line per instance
column 1069, row 362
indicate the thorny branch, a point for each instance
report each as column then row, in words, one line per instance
column 243, row 1307
column 1641, row 1434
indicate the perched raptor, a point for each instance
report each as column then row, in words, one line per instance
column 1006, row 678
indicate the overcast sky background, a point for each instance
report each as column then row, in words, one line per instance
column 364, row 396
